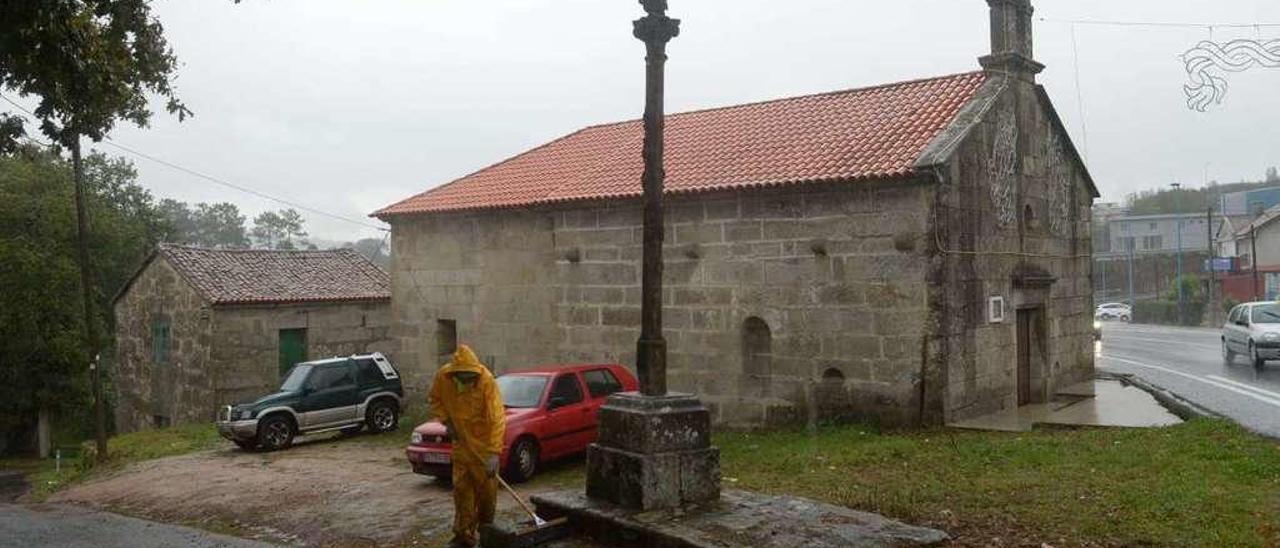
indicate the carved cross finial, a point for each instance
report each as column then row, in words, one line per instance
column 656, row 28
column 654, row 7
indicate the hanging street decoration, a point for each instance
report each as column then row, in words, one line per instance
column 1205, row 62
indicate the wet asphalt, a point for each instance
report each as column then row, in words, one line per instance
column 49, row 525
column 1188, row 362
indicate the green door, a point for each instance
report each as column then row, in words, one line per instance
column 293, row 349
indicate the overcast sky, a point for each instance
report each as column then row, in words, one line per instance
column 348, row 106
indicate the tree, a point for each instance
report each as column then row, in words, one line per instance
column 42, row 354
column 91, row 63
column 217, row 225
column 1273, row 175
column 220, row 225
column 374, row 249
column 279, row 229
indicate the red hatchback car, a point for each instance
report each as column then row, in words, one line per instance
column 551, row 413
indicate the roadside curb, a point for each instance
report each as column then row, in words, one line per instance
column 1178, row 405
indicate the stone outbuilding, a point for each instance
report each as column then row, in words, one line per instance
column 914, row 253
column 199, row 328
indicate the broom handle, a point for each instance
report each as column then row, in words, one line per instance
column 501, row 481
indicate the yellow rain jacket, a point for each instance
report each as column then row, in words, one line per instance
column 475, row 411
column 479, row 419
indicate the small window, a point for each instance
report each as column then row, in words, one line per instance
column 160, row 341
column 446, row 339
column 601, row 383
column 1152, row 226
column 369, row 372
column 567, row 389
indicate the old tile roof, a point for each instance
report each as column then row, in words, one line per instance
column 869, row 133
column 259, row 276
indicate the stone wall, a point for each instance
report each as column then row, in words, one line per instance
column 1013, row 205
column 246, row 342
column 493, row 275
column 181, row 390
column 837, row 274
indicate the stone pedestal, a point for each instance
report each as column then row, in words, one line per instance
column 653, row 452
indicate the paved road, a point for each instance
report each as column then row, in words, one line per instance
column 1188, row 361
column 49, row 525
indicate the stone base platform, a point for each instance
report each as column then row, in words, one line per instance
column 739, row 518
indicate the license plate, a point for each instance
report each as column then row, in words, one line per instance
column 439, row 458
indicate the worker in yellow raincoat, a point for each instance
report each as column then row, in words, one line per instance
column 465, row 398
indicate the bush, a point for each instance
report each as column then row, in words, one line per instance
column 1165, row 312
column 1229, row 303
column 1190, row 288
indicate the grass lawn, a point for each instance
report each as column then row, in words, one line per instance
column 1203, row 483
column 45, row 477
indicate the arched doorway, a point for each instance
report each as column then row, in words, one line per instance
column 757, row 358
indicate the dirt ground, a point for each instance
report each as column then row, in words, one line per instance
column 325, row 492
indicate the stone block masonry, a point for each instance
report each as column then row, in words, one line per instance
column 816, row 265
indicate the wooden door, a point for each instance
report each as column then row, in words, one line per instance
column 293, row 349
column 1026, row 322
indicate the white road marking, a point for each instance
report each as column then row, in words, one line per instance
column 1256, row 396
column 1161, row 341
column 1232, row 382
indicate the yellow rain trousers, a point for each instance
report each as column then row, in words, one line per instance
column 479, row 421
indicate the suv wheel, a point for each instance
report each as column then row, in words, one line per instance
column 382, row 416
column 1228, row 357
column 275, row 433
column 522, row 464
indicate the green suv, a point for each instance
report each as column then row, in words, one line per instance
column 344, row 394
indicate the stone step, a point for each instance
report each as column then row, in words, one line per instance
column 739, row 518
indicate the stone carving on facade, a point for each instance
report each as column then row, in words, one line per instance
column 1004, row 168
column 1207, row 87
column 1059, row 180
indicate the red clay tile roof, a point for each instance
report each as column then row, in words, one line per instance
column 258, row 276
column 870, row 133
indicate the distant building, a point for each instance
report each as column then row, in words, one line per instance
column 1226, row 237
column 1102, row 215
column 1250, row 202
column 198, row 328
column 1152, row 234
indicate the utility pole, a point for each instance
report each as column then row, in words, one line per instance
column 1177, row 280
column 86, row 293
column 1103, row 270
column 1213, row 268
column 1129, row 245
column 1253, row 256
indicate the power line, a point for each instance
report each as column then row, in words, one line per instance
column 246, row 190
column 1084, row 127
column 215, row 180
column 1162, row 24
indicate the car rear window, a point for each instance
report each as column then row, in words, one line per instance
column 601, row 383
column 369, row 372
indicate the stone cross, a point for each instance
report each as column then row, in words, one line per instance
column 655, row 29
